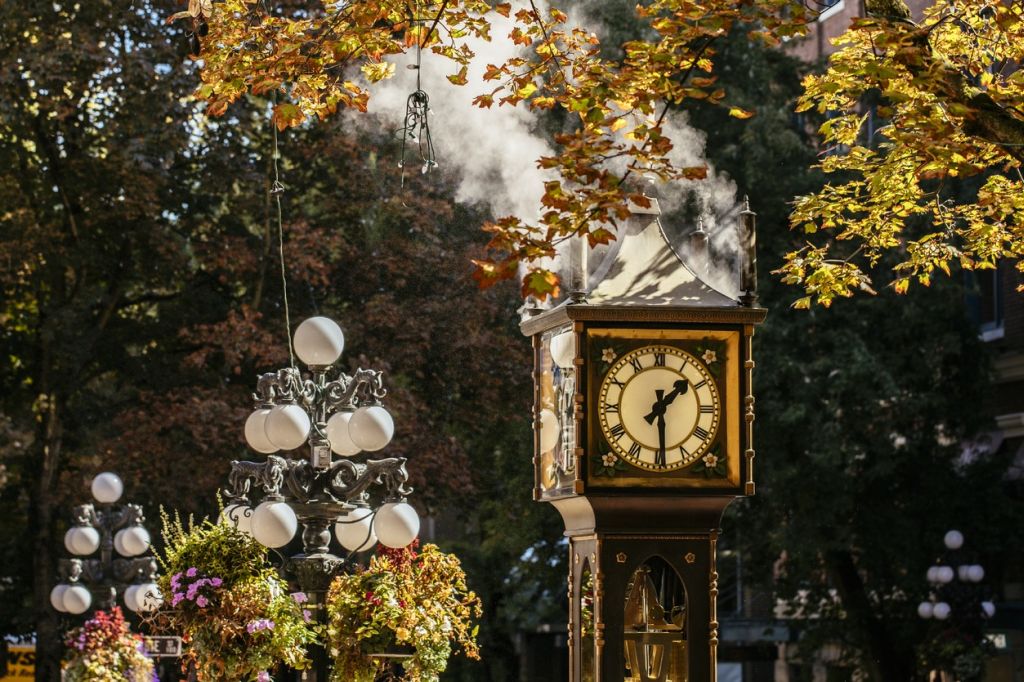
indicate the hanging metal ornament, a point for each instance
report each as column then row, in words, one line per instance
column 416, row 131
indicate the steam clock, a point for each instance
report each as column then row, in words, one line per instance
column 643, row 436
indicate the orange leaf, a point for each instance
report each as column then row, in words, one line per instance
column 736, row 112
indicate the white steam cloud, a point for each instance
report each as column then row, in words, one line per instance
column 495, row 150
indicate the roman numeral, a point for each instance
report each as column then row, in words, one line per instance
column 635, row 361
column 617, row 431
column 707, row 409
column 659, row 359
column 611, row 407
column 683, row 452
column 701, row 433
column 702, row 384
column 634, row 449
column 617, row 382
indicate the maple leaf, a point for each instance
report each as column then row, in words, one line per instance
column 540, row 283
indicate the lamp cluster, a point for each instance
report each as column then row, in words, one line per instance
column 941, row 577
column 342, row 416
column 108, row 530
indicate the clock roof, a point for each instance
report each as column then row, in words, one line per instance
column 643, row 276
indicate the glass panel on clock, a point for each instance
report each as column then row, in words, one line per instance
column 557, row 407
column 655, row 624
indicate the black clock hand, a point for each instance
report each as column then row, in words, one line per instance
column 662, row 403
column 659, row 460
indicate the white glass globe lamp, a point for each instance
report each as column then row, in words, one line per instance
column 239, row 516
column 274, row 524
column 82, row 540
column 319, row 341
column 975, row 573
column 549, row 429
column 107, row 488
column 944, row 574
column 148, row 598
column 988, row 608
column 287, row 426
column 77, row 599
column 132, row 541
column 953, row 539
column 563, row 349
column 355, row 530
column 131, row 596
column 941, row 610
column 371, row 428
column 924, row 609
column 256, row 432
column 933, row 574
column 338, row 434
column 963, row 572
column 57, row 597
column 397, row 524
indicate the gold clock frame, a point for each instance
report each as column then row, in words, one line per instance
column 728, row 387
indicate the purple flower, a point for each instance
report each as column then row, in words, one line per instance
column 202, row 601
column 259, row 624
column 192, row 572
column 176, row 580
column 177, row 599
column 263, row 676
column 300, row 597
column 216, row 582
column 306, row 615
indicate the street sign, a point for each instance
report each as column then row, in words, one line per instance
column 20, row 663
column 163, row 646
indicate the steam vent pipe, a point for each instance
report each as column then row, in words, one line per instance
column 699, row 249
column 748, row 255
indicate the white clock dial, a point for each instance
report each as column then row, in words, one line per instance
column 659, row 408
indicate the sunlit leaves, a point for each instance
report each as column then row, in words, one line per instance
column 952, row 104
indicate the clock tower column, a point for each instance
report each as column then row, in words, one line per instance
column 644, row 413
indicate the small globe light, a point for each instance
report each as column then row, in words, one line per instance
column 941, row 610
column 338, row 434
column 355, row 530
column 975, row 573
column 77, row 599
column 82, row 540
column 944, row 574
column 107, row 488
column 933, row 574
column 563, row 349
column 239, row 516
column 371, row 428
column 396, row 524
column 57, row 597
column 148, row 598
column 924, row 609
column 132, row 541
column 131, row 597
column 988, row 608
column 954, row 539
column 256, row 432
column 548, row 430
column 287, row 426
column 274, row 524
column 319, row 341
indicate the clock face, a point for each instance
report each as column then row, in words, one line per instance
column 659, row 408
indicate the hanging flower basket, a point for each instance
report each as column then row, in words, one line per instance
column 407, row 606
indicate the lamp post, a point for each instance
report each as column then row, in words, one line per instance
column 121, row 567
column 957, row 596
column 326, row 425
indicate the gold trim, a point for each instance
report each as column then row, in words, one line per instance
column 713, row 603
column 669, row 315
column 748, row 418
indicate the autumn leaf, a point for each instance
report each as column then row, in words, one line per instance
column 287, row 115
column 540, row 283
column 736, row 112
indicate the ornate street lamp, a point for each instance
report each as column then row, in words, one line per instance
column 337, row 483
column 116, row 531
column 958, row 596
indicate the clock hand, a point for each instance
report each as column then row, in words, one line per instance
column 663, row 401
column 659, row 460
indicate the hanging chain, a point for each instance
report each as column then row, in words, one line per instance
column 417, row 109
column 276, row 190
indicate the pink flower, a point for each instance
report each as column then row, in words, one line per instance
column 202, row 601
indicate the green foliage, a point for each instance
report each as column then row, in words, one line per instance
column 232, row 609
column 404, row 598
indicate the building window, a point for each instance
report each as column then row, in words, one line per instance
column 830, row 8
column 985, row 302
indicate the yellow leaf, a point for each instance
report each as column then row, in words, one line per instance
column 736, row 112
column 617, row 124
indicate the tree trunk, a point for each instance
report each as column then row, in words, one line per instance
column 880, row 660
column 48, row 635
